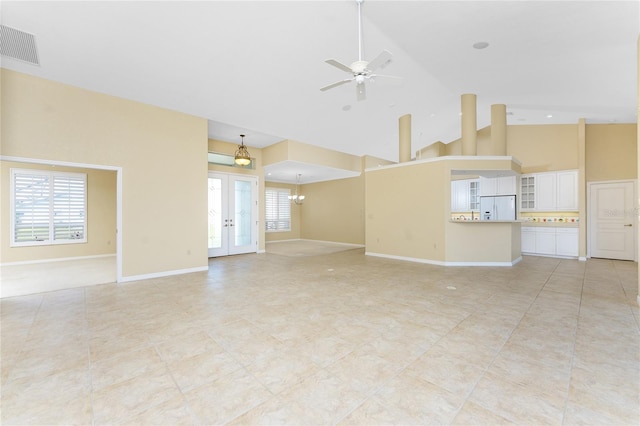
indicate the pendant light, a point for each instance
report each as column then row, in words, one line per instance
column 242, row 156
column 297, row 198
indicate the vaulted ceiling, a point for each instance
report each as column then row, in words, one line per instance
column 256, row 67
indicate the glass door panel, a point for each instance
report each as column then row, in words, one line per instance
column 233, row 214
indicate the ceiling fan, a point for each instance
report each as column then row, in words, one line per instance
column 361, row 70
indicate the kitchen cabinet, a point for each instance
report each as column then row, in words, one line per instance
column 567, row 190
column 567, row 242
column 464, row 195
column 546, row 192
column 528, row 240
column 546, row 241
column 502, row 185
column 549, row 191
column 549, row 241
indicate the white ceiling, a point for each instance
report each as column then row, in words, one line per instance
column 256, row 67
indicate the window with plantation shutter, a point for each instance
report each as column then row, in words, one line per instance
column 278, row 210
column 48, row 207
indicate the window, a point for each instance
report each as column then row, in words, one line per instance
column 48, row 207
column 278, row 214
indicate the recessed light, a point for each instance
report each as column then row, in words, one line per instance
column 549, row 116
column 346, row 107
column 392, row 104
column 509, row 112
column 480, row 45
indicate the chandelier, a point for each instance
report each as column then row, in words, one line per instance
column 297, row 198
column 242, row 156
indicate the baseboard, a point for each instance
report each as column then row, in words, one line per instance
column 58, row 259
column 163, row 274
column 318, row 241
column 261, row 251
column 442, row 263
column 582, row 259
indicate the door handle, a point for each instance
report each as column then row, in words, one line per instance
column 629, row 224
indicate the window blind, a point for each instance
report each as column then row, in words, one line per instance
column 48, row 207
column 278, row 209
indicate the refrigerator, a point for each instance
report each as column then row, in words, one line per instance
column 499, row 207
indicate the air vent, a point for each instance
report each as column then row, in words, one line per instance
column 18, row 45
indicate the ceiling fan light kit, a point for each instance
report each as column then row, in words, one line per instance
column 361, row 70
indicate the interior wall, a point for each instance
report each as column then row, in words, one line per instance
column 334, row 211
column 101, row 217
column 544, row 148
column 406, row 209
column 294, row 234
column 162, row 153
column 611, row 152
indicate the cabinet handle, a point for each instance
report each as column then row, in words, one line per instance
column 629, row 224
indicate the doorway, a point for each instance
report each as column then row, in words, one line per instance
column 233, row 214
column 612, row 220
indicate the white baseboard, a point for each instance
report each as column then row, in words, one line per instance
column 163, row 274
column 443, row 263
column 318, row 241
column 582, row 259
column 58, row 259
column 261, row 251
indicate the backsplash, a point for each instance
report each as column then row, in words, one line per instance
column 557, row 219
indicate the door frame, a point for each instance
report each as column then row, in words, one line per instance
column 635, row 213
column 117, row 169
column 256, row 207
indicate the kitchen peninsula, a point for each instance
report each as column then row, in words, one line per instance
column 408, row 214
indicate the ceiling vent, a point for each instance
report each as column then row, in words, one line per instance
column 18, row 45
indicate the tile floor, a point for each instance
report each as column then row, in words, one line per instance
column 333, row 339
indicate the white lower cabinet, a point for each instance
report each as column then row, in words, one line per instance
column 549, row 241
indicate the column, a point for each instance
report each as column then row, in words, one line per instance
column 499, row 129
column 405, row 138
column 469, row 125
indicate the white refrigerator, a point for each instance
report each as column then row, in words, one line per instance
column 499, row 207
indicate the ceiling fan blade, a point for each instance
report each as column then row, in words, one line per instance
column 339, row 65
column 361, row 92
column 390, row 78
column 336, row 84
column 384, row 57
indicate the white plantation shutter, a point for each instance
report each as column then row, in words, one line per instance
column 278, row 209
column 48, row 207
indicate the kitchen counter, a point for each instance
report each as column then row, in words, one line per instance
column 487, row 221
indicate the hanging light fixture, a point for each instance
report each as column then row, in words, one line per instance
column 242, row 157
column 297, row 198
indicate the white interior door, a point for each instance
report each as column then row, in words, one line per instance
column 233, row 214
column 612, row 220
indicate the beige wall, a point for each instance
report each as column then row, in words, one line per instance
column 162, row 153
column 544, row 148
column 611, row 152
column 405, row 210
column 101, row 217
column 334, row 211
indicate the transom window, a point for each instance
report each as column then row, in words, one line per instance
column 278, row 209
column 48, row 207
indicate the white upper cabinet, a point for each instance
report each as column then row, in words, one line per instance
column 549, row 191
column 567, row 188
column 464, row 195
column 546, row 192
column 503, row 185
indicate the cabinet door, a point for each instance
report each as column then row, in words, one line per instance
column 546, row 241
column 527, row 192
column 567, row 242
column 474, row 195
column 460, row 196
column 528, row 240
column 506, row 185
column 546, row 191
column 488, row 186
column 567, row 187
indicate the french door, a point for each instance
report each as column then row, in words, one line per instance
column 233, row 214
